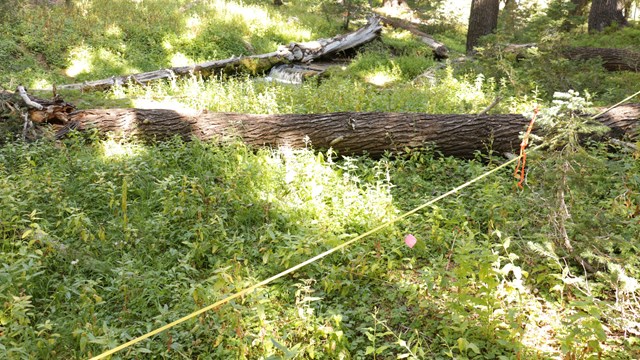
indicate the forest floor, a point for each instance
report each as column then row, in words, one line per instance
column 104, row 239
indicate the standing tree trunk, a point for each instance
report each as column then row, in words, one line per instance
column 347, row 14
column 604, row 13
column 483, row 20
column 575, row 14
column 578, row 7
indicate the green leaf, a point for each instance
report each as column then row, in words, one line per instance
column 462, row 344
column 473, row 348
column 381, row 349
column 279, row 346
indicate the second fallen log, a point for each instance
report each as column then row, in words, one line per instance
column 295, row 52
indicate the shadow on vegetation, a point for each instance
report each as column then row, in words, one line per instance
column 120, row 234
column 124, row 236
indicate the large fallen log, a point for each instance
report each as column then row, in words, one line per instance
column 346, row 132
column 295, row 52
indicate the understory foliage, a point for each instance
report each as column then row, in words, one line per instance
column 105, row 239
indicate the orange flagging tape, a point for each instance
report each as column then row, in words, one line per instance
column 522, row 159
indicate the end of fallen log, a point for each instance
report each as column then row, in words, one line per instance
column 55, row 111
column 440, row 51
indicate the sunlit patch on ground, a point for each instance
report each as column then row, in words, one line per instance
column 180, row 59
column 167, row 103
column 80, row 59
column 381, row 78
column 113, row 30
column 258, row 20
column 192, row 27
column 112, row 149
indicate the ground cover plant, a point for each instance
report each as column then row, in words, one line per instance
column 105, row 239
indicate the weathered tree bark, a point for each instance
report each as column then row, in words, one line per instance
column 296, row 74
column 345, row 132
column 440, row 51
column 612, row 59
column 579, row 7
column 254, row 64
column 604, row 13
column 483, row 20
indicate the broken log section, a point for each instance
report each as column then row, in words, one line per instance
column 612, row 59
column 303, row 52
column 53, row 111
column 440, row 51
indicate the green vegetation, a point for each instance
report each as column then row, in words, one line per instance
column 103, row 240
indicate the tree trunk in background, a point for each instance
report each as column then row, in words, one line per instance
column 578, row 7
column 348, row 133
column 483, row 20
column 578, row 10
column 277, row 2
column 604, row 13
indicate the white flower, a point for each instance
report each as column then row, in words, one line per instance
column 73, row 262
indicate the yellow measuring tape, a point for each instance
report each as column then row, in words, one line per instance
column 320, row 256
column 296, row 267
